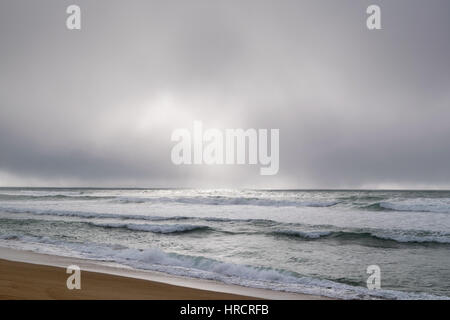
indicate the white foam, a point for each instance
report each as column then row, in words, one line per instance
column 204, row 268
column 228, row 201
column 87, row 214
column 156, row 228
column 403, row 236
column 439, row 205
column 413, row 237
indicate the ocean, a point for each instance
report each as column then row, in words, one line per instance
column 304, row 241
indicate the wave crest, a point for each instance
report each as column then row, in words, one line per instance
column 381, row 235
column 221, row 200
column 155, row 228
column 413, row 205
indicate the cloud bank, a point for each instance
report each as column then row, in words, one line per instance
column 96, row 107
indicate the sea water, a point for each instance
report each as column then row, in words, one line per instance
column 304, row 241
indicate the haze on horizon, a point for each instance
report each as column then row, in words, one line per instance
column 96, row 107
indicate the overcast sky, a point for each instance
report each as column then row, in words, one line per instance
column 96, row 107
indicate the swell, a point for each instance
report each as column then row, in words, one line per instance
column 200, row 200
column 427, row 205
column 154, row 228
column 222, row 200
column 88, row 215
column 99, row 215
column 392, row 236
column 376, row 207
column 14, row 197
column 261, row 226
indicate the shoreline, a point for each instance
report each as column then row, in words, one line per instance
column 105, row 280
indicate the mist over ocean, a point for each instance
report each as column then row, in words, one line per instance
column 316, row 242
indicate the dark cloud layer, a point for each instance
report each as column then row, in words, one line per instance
column 355, row 108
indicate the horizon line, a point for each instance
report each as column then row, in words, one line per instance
column 222, row 188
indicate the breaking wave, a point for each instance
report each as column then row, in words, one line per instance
column 206, row 268
column 99, row 215
column 16, row 197
column 383, row 235
column 221, row 200
column 414, row 205
column 88, row 215
column 155, row 228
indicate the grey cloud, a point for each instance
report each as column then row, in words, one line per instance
column 355, row 108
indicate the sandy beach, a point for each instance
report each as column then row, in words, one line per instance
column 17, row 282
column 44, row 277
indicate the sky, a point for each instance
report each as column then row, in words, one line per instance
column 356, row 108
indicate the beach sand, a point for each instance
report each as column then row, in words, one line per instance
column 29, row 275
column 20, row 280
